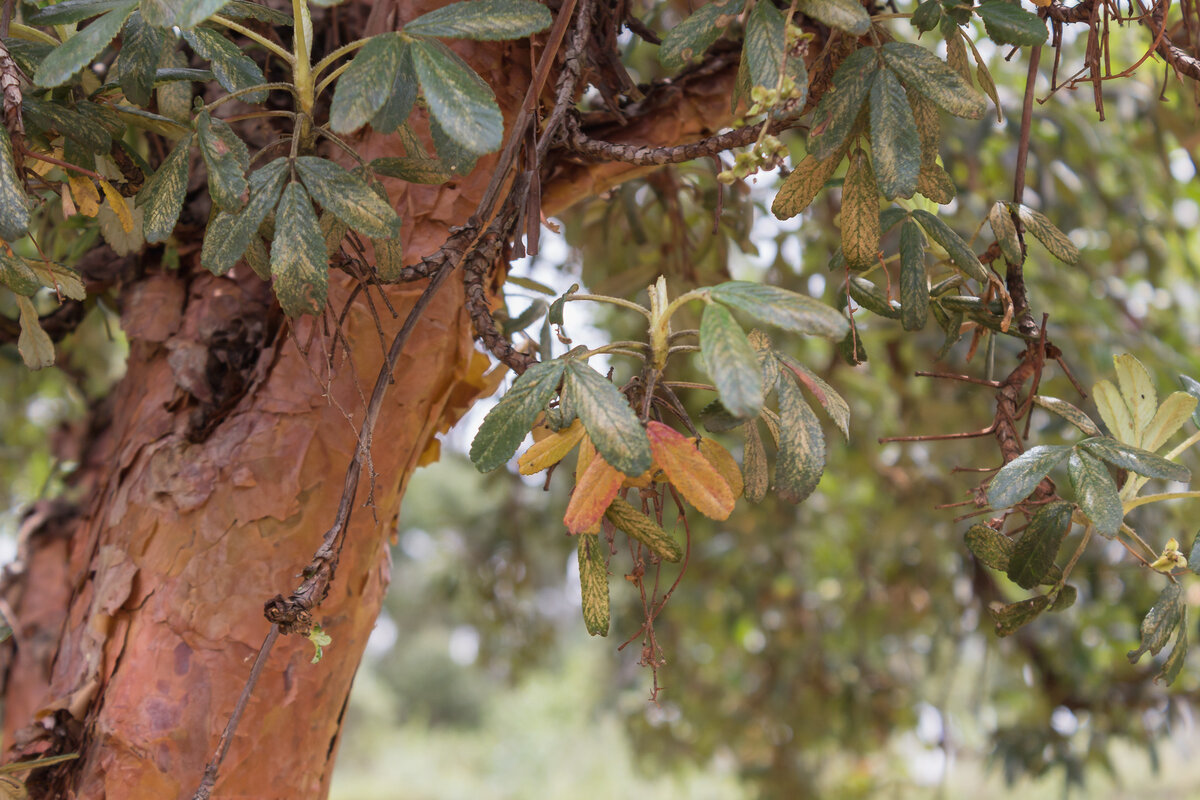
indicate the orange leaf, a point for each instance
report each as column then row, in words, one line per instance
column 689, row 471
column 550, row 449
column 594, row 491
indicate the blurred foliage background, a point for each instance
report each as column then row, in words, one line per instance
column 838, row 649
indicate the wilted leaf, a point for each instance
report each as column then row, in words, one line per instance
column 35, row 347
column 754, row 463
column 788, row 310
column 1160, row 622
column 860, row 214
column 458, row 98
column 162, row 196
column 645, row 530
column 1135, row 459
column 348, row 196
column 1034, row 553
column 1012, row 617
column 1096, row 492
column 925, row 72
column 1021, row 476
column 724, row 463
column 610, row 422
column 505, row 426
column 593, row 582
column 1008, row 23
column 365, row 86
column 550, row 450
column 689, row 471
column 801, row 457
column 731, row 362
column 594, row 491
column 1174, row 663
column 838, row 109
column 82, row 48
column 895, row 143
column 803, row 183
column 1068, row 412
column 1044, row 231
column 14, row 206
column 482, row 20
column 299, row 266
column 914, row 280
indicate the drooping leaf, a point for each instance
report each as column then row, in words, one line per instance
column 233, row 69
column 1008, row 23
column 483, row 20
column 689, row 471
column 645, row 530
column 1115, row 413
column 1065, row 598
column 1174, row 663
column 1034, row 553
column 505, row 426
column 227, row 159
column 781, row 308
column 852, row 348
column 801, row 459
column 65, row 120
column 895, row 143
column 1021, row 476
column 348, row 196
column 162, row 196
column 926, row 73
column 137, row 62
column 927, row 16
column 845, row 15
column 988, row 84
column 990, row 546
column 1135, row 459
column 833, row 403
column 594, row 491
column 35, row 347
column 1137, row 389
column 1171, row 414
column 299, row 265
column 412, row 169
column 229, row 234
column 914, row 280
column 458, row 98
column 959, row 251
column 400, row 99
column 17, row 275
column 1005, row 232
column 860, row 214
column 692, row 37
column 1045, row 232
column 872, row 298
column 14, row 205
column 1068, row 412
column 80, row 50
column 593, row 583
column 1010, row 618
column 364, row 88
column 838, row 109
column 731, row 362
column 610, row 422
column 63, row 280
column 803, row 183
column 1096, row 492
column 764, row 46
column 725, row 464
column 754, row 463
column 1160, row 622
column 716, row 418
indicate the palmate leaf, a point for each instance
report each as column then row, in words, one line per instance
column 801, row 458
column 483, row 20
column 181, row 13
column 400, row 99
column 505, row 426
column 1008, row 23
column 233, row 69
column 689, row 471
column 348, row 196
column 1135, row 459
column 731, row 362
column 895, row 142
column 14, row 205
column 610, row 422
column 1096, row 492
column 299, row 265
column 458, row 98
column 781, row 308
column 227, row 159
column 860, row 214
column 1021, row 476
column 1160, row 622
column 690, row 38
column 846, row 15
column 1034, row 553
column 926, row 73
column 959, row 251
column 365, row 86
column 137, row 62
column 639, row 526
column 162, row 196
column 1137, row 390
column 593, row 583
column 229, row 234
column 81, row 49
column 838, row 110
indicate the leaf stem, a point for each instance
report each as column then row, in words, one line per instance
column 302, row 68
column 616, row 301
column 255, row 37
column 259, row 88
column 324, row 63
column 1083, row 543
column 1129, row 505
column 331, row 77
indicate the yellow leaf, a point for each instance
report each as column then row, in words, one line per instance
column 1169, row 418
column 1115, row 413
column 117, row 202
column 1137, row 388
column 689, row 471
column 594, row 491
column 550, row 450
column 83, row 192
column 724, row 463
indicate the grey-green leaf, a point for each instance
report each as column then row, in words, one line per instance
column 1008, row 23
column 1174, row 663
column 610, row 422
column 833, row 403
column 81, row 49
column 457, row 97
column 413, row 169
column 1192, row 387
column 229, row 234
column 872, row 298
column 754, row 464
column 14, row 205
column 137, row 62
column 1070, row 413
column 593, row 584
column 838, row 109
column 1160, row 622
column 483, row 20
column 1014, row 616
column 927, row 16
column 227, row 159
column 299, row 268
column 1096, row 492
column 233, row 69
column 731, row 362
column 505, row 426
column 994, row 549
column 690, row 38
column 860, row 214
column 1034, row 553
column 925, row 72
column 162, row 196
column 401, row 97
column 1045, row 232
column 1000, row 218
column 784, row 309
column 69, row 11
column 347, row 196
column 914, row 280
column 801, row 459
column 960, row 253
column 764, row 45
column 364, row 88
column 1021, row 476
column 895, row 143
column 846, row 15
column 1135, row 459
column 17, row 276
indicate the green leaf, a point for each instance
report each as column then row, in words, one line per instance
column 715, row 417
column 692, row 37
column 833, row 403
column 960, row 253
column 1160, row 622
column 483, row 20
column 17, row 276
column 838, row 109
column 181, row 13
column 137, row 62
column 914, row 281
column 162, row 196
column 1044, row 231
column 781, row 308
column 401, row 97
column 801, row 458
column 14, row 205
column 990, row 546
column 860, row 214
column 1034, row 553
column 412, row 169
column 1135, row 459
column 299, row 265
column 926, row 73
column 35, row 347
column 364, row 88
column 1192, row 387
column 1065, row 598
column 66, row 121
column 70, row 11
column 1011, row 618
column 82, row 49
column 846, row 15
column 927, row 16
column 1095, row 492
column 1008, row 23
column 505, row 426
column 851, row 347
column 1194, row 555
column 227, row 159
column 872, row 298
column 895, row 143
column 347, row 196
column 754, row 464
column 243, row 9
column 611, row 424
column 1174, row 663
column 593, row 583
column 1068, row 412
column 731, row 362
column 1000, row 218
column 803, row 183
column 456, row 158
column 458, row 98
column 233, row 69
column 1021, row 476
column 229, row 234
column 764, row 45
